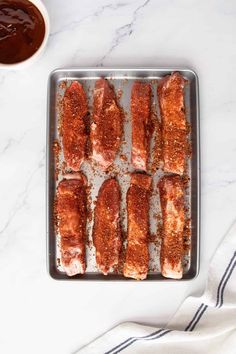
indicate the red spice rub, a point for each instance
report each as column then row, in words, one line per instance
column 172, row 204
column 137, row 254
column 73, row 129
column 107, row 126
column 71, row 215
column 174, row 126
column 140, row 115
column 107, row 230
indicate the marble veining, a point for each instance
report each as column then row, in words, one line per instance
column 124, row 31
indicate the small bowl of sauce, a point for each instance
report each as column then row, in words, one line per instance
column 24, row 31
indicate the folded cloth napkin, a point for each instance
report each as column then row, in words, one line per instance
column 201, row 325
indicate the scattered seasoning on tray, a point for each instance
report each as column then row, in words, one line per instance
column 89, row 203
column 154, row 81
column 63, row 84
column 119, row 268
column 185, row 262
column 157, row 150
column 126, row 116
column 55, row 216
column 152, row 237
column 110, row 169
column 119, row 93
column 189, row 149
column 123, row 157
column 89, row 243
column 56, row 151
column 187, row 236
column 156, row 238
column 59, row 109
column 188, row 126
column 159, row 229
column 87, row 123
column 63, row 167
column 185, row 180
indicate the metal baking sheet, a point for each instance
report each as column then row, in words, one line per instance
column 122, row 80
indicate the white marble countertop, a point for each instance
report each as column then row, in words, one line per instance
column 38, row 314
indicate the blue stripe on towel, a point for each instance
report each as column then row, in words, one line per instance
column 224, row 280
column 196, row 318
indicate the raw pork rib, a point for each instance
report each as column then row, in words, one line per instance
column 174, row 126
column 137, row 255
column 106, row 129
column 140, row 118
column 172, row 204
column 72, row 217
column 73, row 130
column 106, row 230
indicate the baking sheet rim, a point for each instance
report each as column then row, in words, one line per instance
column 100, row 277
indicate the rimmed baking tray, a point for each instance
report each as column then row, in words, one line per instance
column 122, row 80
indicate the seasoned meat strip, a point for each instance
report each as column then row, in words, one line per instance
column 174, row 126
column 106, row 230
column 72, row 217
column 73, row 130
column 137, row 255
column 172, row 204
column 106, row 129
column 140, row 117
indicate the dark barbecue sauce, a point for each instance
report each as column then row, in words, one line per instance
column 22, row 30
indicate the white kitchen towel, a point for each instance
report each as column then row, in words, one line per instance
column 202, row 325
